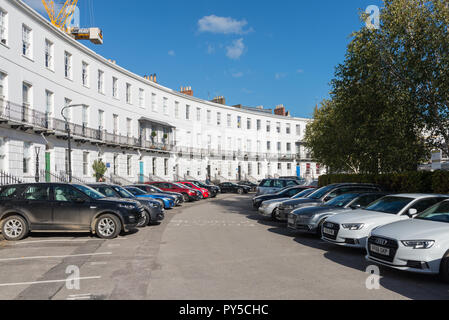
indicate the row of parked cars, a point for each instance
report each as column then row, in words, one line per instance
column 409, row 232
column 100, row 208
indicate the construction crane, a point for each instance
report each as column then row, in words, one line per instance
column 64, row 16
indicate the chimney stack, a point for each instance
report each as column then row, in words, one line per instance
column 280, row 110
column 187, row 91
column 219, row 100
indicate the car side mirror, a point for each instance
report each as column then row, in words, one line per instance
column 356, row 206
column 80, row 200
column 412, row 213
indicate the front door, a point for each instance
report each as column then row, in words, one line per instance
column 47, row 167
column 141, row 172
column 69, row 212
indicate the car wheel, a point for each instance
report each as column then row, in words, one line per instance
column 146, row 220
column 15, row 228
column 444, row 269
column 319, row 231
column 240, row 191
column 186, row 197
column 108, row 226
column 274, row 215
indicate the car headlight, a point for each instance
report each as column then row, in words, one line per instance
column 419, row 244
column 353, row 226
column 127, row 206
column 288, row 207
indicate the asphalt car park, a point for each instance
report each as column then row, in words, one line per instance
column 212, row 249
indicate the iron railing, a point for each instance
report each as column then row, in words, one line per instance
column 6, row 179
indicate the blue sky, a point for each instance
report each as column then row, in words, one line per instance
column 252, row 52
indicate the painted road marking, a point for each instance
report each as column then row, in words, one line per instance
column 43, row 282
column 54, row 257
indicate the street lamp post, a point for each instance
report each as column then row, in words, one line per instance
column 69, row 143
column 37, row 150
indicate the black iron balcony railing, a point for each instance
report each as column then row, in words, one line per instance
column 22, row 114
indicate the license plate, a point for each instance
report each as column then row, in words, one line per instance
column 329, row 231
column 380, row 250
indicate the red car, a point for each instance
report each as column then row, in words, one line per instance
column 188, row 193
column 203, row 191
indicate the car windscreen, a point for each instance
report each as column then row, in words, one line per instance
column 304, row 194
column 157, row 189
column 391, row 205
column 94, row 194
column 136, row 192
column 123, row 192
column 342, row 200
column 318, row 194
column 439, row 213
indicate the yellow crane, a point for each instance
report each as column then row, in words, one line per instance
column 61, row 18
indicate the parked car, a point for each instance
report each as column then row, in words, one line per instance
column 234, row 188
column 270, row 186
column 188, row 193
column 204, row 192
column 269, row 208
column 284, row 193
column 253, row 186
column 167, row 201
column 323, row 195
column 311, row 219
column 417, row 245
column 44, row 207
column 154, row 211
column 353, row 228
column 179, row 199
column 213, row 190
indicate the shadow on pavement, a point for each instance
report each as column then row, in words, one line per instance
column 410, row 285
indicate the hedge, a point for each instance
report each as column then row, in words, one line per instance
column 410, row 182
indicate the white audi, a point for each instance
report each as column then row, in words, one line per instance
column 416, row 245
column 353, row 228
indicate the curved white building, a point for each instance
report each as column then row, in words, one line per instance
column 139, row 128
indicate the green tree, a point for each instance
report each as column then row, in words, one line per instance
column 370, row 125
column 413, row 42
column 99, row 169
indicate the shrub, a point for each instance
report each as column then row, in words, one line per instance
column 410, row 182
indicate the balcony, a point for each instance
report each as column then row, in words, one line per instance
column 23, row 117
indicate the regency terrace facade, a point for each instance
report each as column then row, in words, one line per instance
column 140, row 129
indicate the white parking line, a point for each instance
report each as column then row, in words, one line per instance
column 87, row 296
column 42, row 282
column 53, row 257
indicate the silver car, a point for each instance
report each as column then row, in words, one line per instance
column 270, row 208
column 271, row 186
column 311, row 219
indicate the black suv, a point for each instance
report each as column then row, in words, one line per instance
column 234, row 188
column 154, row 211
column 47, row 207
column 323, row 195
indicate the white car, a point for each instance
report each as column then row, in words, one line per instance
column 417, row 245
column 353, row 228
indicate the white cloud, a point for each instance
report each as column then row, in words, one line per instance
column 224, row 25
column 237, row 74
column 280, row 75
column 171, row 53
column 210, row 49
column 236, row 49
column 300, row 71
